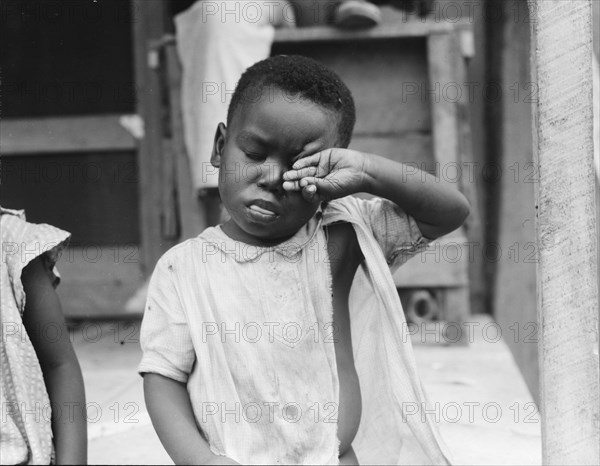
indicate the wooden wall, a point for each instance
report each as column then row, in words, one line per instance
column 376, row 130
column 511, row 209
column 67, row 77
column 66, row 58
column 389, row 122
column 69, row 59
column 91, row 195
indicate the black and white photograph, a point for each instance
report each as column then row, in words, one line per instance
column 300, row 232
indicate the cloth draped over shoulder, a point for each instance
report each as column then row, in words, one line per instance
column 216, row 41
column 393, row 428
column 205, row 287
column 25, row 431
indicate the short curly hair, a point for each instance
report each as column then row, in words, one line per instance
column 302, row 77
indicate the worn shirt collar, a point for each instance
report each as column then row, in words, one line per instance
column 244, row 252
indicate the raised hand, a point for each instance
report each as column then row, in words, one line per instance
column 329, row 174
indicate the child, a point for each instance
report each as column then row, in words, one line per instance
column 43, row 400
column 257, row 332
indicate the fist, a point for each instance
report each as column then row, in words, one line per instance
column 327, row 175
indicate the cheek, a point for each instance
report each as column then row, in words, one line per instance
column 303, row 209
column 250, row 172
column 231, row 178
column 237, row 172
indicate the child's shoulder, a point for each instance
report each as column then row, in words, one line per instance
column 23, row 242
column 187, row 250
column 13, row 223
column 23, row 239
column 14, row 212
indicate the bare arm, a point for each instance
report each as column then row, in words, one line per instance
column 171, row 412
column 436, row 205
column 62, row 375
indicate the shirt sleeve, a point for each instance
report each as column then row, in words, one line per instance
column 165, row 337
column 22, row 242
column 396, row 232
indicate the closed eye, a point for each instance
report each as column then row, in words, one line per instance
column 254, row 156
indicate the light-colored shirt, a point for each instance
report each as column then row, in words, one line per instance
column 25, row 431
column 249, row 329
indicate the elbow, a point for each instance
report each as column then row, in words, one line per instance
column 63, row 363
column 66, row 356
column 68, row 368
column 456, row 218
column 450, row 219
column 462, row 210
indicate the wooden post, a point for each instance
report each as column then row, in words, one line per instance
column 148, row 26
column 566, row 229
column 449, row 146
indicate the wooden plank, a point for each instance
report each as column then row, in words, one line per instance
column 391, row 29
column 383, row 104
column 596, row 27
column 476, row 69
column 172, row 149
column 414, row 148
column 170, row 217
column 148, row 26
column 388, row 80
column 458, row 301
column 512, row 221
column 566, row 231
column 456, row 310
column 96, row 281
column 443, row 264
column 85, row 133
column 92, row 195
column 465, row 139
column 441, row 55
column 396, row 30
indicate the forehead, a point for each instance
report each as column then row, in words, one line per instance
column 277, row 114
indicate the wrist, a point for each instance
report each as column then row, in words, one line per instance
column 368, row 184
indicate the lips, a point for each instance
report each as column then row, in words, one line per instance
column 260, row 210
column 264, row 207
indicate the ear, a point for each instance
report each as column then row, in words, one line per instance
column 218, row 145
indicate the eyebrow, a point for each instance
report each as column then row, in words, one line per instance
column 250, row 137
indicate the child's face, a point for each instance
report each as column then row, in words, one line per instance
column 262, row 142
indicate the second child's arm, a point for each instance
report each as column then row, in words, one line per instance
column 172, row 415
column 435, row 204
column 62, row 374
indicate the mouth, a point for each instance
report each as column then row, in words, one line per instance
column 260, row 210
column 263, row 210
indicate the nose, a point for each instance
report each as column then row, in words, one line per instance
column 271, row 176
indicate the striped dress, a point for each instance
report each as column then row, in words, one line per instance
column 25, row 431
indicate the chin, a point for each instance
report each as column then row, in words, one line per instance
column 266, row 233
